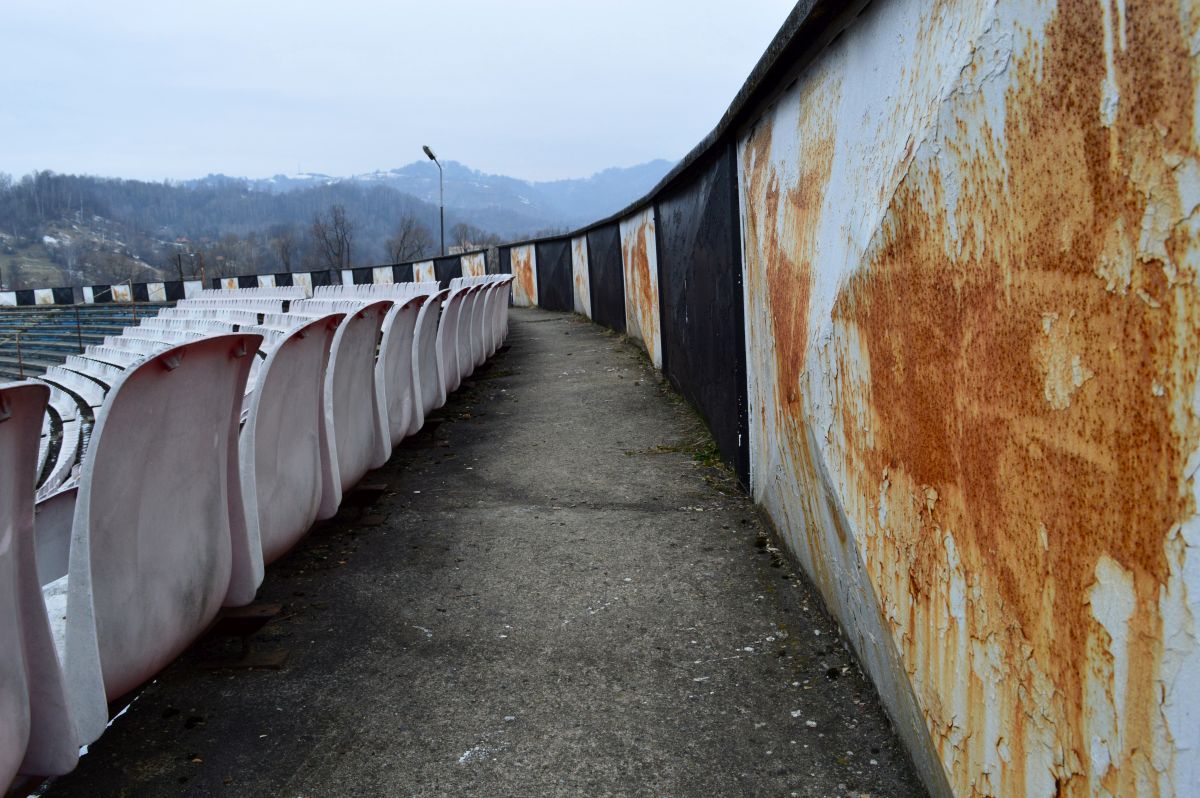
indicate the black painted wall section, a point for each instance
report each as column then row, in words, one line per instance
column 504, row 260
column 364, row 275
column 606, row 276
column 446, row 269
column 555, row 290
column 402, row 273
column 700, row 285
column 284, row 280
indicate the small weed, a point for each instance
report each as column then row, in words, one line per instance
column 708, row 455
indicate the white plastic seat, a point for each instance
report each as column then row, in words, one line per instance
column 36, row 737
column 360, row 441
column 284, row 449
column 447, row 341
column 156, row 527
column 104, row 373
column 206, row 326
column 72, row 382
column 231, row 301
column 394, row 368
column 427, row 369
column 405, row 375
column 120, row 358
column 220, row 313
column 283, row 445
column 258, row 292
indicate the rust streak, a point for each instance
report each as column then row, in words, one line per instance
column 1036, row 381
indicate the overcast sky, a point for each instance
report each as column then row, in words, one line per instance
column 532, row 89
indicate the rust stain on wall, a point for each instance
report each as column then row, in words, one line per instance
column 640, row 263
column 524, row 270
column 423, row 272
column 781, row 235
column 1033, row 355
column 474, row 265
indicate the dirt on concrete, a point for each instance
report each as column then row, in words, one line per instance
column 553, row 590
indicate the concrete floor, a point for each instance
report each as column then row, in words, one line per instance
column 553, row 592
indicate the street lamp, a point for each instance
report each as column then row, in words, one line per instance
column 441, row 197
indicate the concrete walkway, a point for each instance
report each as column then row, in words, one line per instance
column 550, row 592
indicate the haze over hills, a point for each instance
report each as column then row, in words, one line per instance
column 512, row 202
column 77, row 230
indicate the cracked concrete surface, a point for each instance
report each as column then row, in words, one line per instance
column 550, row 591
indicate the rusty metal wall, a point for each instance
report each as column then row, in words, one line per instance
column 580, row 284
column 640, row 267
column 523, row 261
column 554, row 285
column 700, row 272
column 474, row 264
column 606, row 276
column 972, row 313
column 424, row 272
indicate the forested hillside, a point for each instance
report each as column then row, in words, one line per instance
column 72, row 230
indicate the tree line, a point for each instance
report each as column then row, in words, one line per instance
column 108, row 230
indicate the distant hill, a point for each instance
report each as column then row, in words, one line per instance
column 77, row 229
column 494, row 202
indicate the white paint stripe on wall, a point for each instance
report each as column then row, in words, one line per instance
column 157, row 292
column 523, row 260
column 423, row 272
column 580, row 279
column 639, row 261
column 43, row 296
column 474, row 265
column 383, row 275
column 266, row 281
column 9, row 298
column 303, row 280
column 192, row 288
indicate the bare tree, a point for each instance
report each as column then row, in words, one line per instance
column 467, row 237
column 284, row 245
column 333, row 235
column 411, row 241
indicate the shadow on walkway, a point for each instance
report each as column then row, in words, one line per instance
column 551, row 591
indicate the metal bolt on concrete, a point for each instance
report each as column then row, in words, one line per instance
column 551, row 592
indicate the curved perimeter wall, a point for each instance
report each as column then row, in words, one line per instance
column 471, row 264
column 933, row 284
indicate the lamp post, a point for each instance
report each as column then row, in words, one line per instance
column 441, row 197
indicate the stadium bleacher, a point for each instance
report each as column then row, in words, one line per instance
column 175, row 454
column 34, row 338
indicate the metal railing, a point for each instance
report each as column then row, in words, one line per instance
column 16, row 337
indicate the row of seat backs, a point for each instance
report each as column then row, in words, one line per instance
column 121, row 423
